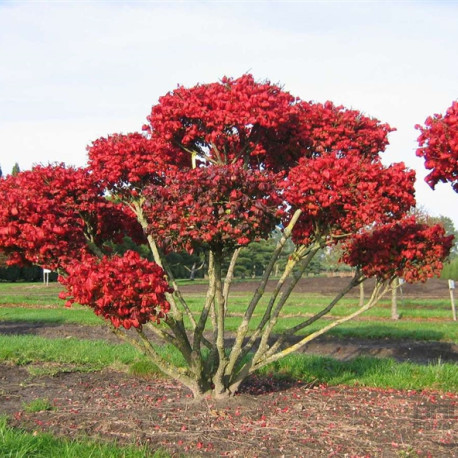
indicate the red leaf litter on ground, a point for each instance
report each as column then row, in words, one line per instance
column 270, row 417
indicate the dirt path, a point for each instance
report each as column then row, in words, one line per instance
column 327, row 286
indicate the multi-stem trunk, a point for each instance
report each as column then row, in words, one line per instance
column 219, row 378
column 216, row 371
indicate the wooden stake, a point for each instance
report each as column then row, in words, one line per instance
column 451, row 287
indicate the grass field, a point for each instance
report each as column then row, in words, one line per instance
column 18, row 443
column 421, row 321
column 427, row 320
column 30, row 293
column 49, row 356
column 36, row 294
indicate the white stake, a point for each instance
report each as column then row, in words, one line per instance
column 451, row 287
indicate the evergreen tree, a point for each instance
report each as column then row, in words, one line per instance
column 450, row 270
column 15, row 170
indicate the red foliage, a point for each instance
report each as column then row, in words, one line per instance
column 48, row 213
column 221, row 205
column 131, row 161
column 326, row 128
column 260, row 123
column 128, row 290
column 343, row 194
column 439, row 146
column 225, row 121
column 406, row 249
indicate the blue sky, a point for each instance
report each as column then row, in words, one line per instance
column 75, row 71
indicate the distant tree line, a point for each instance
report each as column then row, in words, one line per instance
column 29, row 274
column 24, row 273
column 450, row 271
column 250, row 263
column 15, row 170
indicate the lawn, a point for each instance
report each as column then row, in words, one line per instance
column 50, row 383
column 421, row 320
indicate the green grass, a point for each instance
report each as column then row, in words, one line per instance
column 307, row 305
column 38, row 405
column 30, row 293
column 143, row 368
column 367, row 371
column 63, row 315
column 364, row 371
column 36, row 294
column 411, row 308
column 445, row 331
column 398, row 330
column 92, row 354
column 430, row 318
column 18, row 443
column 370, row 329
column 26, row 349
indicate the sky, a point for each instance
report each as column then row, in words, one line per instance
column 74, row 71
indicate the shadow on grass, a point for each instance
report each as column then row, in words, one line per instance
column 57, row 328
column 311, row 371
column 365, row 371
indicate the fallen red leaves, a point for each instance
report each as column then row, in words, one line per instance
column 269, row 417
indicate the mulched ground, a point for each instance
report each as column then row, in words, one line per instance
column 268, row 418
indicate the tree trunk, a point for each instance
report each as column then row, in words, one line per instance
column 219, row 380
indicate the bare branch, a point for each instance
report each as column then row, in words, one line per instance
column 137, row 208
column 272, row 319
column 94, row 248
column 243, row 327
column 194, row 154
column 218, row 154
column 199, row 329
column 292, row 262
column 379, row 291
column 358, row 278
column 220, row 312
column 89, row 236
column 181, row 374
column 230, row 276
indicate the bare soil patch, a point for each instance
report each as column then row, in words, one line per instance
column 433, row 288
column 268, row 418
